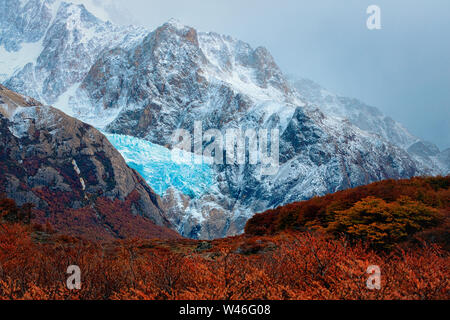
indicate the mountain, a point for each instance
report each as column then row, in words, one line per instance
column 444, row 157
column 72, row 174
column 47, row 63
column 146, row 84
column 372, row 120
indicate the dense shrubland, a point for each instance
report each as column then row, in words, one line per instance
column 319, row 249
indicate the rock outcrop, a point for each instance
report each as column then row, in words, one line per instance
column 50, row 159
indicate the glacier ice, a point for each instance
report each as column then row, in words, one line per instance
column 156, row 165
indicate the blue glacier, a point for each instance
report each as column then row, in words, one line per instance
column 157, row 167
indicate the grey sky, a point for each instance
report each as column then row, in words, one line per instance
column 403, row 69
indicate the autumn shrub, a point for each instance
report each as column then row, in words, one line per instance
column 384, row 224
column 403, row 208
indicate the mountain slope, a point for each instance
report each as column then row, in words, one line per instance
column 65, row 167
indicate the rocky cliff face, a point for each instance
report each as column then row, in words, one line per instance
column 48, row 158
column 147, row 84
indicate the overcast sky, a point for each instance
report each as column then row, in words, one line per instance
column 403, row 69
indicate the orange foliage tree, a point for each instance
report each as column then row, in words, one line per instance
column 384, row 224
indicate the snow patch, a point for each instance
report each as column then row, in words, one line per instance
column 75, row 166
column 83, row 185
column 13, row 62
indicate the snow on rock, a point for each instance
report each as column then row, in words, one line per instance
column 70, row 38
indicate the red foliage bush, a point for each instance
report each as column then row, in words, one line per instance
column 104, row 219
column 300, row 266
